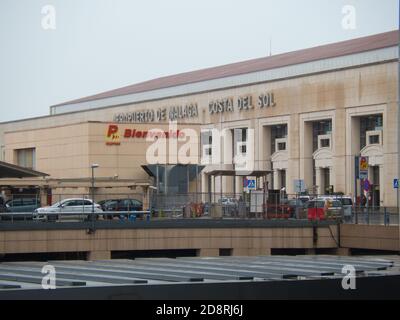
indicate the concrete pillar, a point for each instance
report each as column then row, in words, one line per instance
column 277, row 181
column 43, row 197
column 306, row 152
column 208, row 252
column 319, row 180
column 332, row 179
column 311, row 252
column 146, row 198
column 99, row 255
column 381, row 185
column 345, row 252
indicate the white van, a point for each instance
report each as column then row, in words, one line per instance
column 347, row 204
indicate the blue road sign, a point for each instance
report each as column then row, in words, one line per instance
column 367, row 185
column 396, row 183
column 251, row 184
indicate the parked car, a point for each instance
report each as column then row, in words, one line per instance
column 304, row 199
column 19, row 209
column 296, row 204
column 23, row 205
column 325, row 208
column 347, row 203
column 68, row 209
column 122, row 205
column 316, row 209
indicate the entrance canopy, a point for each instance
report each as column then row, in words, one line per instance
column 8, row 170
column 233, row 173
column 174, row 178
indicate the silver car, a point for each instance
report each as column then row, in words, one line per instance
column 68, row 209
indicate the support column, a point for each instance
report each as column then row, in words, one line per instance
column 43, row 197
column 319, row 180
column 146, row 198
column 98, row 255
column 207, row 252
column 276, row 180
column 345, row 252
column 332, row 180
column 311, row 252
column 381, row 184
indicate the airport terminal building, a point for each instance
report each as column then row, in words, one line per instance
column 307, row 114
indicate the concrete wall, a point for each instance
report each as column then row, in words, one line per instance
column 370, row 237
column 208, row 241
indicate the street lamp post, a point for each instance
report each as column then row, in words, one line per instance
column 93, row 166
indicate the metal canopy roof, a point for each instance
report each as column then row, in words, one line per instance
column 148, row 271
column 8, row 170
column 233, row 173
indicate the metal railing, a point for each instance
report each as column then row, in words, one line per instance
column 253, row 205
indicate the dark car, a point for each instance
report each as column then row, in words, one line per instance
column 26, row 205
column 19, row 209
column 296, row 205
column 121, row 205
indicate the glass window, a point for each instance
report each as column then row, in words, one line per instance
column 326, row 173
column 336, row 204
column 16, row 203
column 316, row 204
column 283, row 178
column 346, row 202
column 177, row 180
column 369, row 123
column 239, row 136
column 281, row 146
column 278, row 132
column 206, row 139
column 374, row 139
column 325, row 143
column 320, row 128
column 111, row 205
column 29, row 202
column 71, row 203
column 136, row 203
column 26, row 158
column 87, row 203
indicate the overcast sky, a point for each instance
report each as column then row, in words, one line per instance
column 99, row 45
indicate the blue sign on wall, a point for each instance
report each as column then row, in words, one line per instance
column 396, row 183
column 251, row 184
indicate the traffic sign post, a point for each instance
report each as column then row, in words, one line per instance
column 396, row 186
column 299, row 187
column 363, row 168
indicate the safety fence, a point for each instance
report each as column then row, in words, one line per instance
column 275, row 205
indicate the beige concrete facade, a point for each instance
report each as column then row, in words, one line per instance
column 208, row 242
column 67, row 144
column 370, row 237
